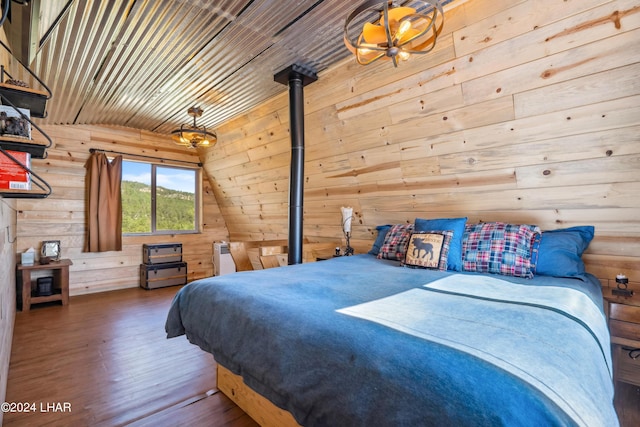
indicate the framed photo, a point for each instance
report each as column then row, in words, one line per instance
column 12, row 123
column 50, row 250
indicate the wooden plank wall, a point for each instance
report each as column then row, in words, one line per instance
column 7, row 273
column 7, row 288
column 525, row 112
column 61, row 216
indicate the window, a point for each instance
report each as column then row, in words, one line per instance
column 159, row 199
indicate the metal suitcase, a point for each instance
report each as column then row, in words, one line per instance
column 153, row 276
column 159, row 253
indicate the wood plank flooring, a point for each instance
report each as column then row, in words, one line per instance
column 107, row 357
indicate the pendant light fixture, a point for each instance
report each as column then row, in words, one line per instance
column 376, row 29
column 194, row 136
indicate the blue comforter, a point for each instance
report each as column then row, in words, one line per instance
column 361, row 342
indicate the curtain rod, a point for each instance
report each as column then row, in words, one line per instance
column 93, row 150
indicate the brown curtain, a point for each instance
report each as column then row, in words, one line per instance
column 104, row 204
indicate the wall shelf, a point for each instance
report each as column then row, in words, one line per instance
column 23, row 194
column 42, row 188
column 13, row 94
column 32, row 99
column 37, row 150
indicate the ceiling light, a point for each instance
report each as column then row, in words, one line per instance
column 194, row 136
column 385, row 30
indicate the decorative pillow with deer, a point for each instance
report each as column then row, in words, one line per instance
column 456, row 225
column 428, row 249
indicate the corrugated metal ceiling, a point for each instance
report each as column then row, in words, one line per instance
column 142, row 63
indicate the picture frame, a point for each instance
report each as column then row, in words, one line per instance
column 50, row 250
column 15, row 122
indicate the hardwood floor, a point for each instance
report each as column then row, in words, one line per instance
column 104, row 360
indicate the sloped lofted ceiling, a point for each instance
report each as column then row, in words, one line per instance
column 143, row 63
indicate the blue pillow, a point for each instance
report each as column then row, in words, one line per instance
column 382, row 232
column 560, row 252
column 454, row 260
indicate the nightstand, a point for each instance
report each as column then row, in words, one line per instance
column 624, row 325
column 60, row 271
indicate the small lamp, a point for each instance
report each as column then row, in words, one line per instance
column 622, row 282
column 347, row 216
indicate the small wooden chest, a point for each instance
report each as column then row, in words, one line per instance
column 153, row 276
column 159, row 253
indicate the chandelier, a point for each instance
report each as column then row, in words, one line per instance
column 391, row 31
column 194, row 136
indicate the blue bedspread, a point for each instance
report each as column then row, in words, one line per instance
column 361, row 342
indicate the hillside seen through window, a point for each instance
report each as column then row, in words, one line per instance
column 158, row 199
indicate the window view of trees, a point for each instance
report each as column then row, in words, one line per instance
column 169, row 191
column 136, row 207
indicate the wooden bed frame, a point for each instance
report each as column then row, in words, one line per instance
column 255, row 405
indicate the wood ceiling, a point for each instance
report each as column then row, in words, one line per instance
column 142, row 63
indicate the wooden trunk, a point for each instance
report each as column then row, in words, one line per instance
column 158, row 253
column 162, row 275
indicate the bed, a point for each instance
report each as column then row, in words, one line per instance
column 364, row 341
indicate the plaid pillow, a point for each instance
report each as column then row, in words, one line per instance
column 499, row 248
column 395, row 242
column 428, row 249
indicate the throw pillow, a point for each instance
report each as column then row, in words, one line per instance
column 499, row 248
column 428, row 249
column 382, row 233
column 561, row 250
column 395, row 242
column 456, row 225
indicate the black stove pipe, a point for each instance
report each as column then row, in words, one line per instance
column 296, row 175
column 296, row 77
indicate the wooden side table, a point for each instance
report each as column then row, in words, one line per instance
column 624, row 325
column 60, row 271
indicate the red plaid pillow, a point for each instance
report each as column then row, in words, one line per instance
column 395, row 242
